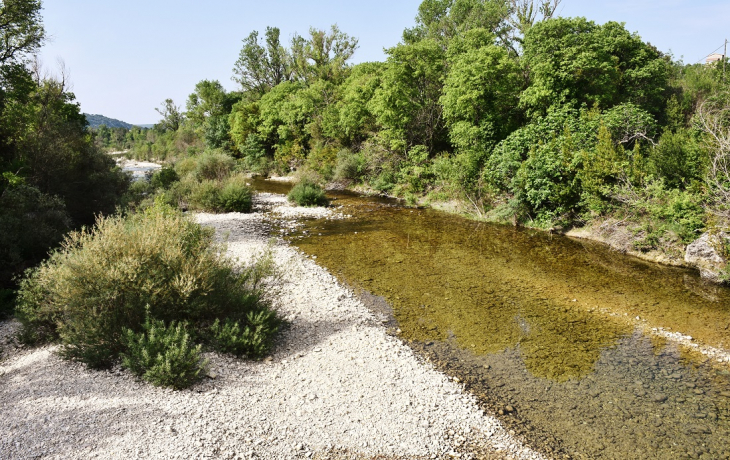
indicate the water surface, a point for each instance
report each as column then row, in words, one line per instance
column 545, row 329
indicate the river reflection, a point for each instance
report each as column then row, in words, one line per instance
column 547, row 325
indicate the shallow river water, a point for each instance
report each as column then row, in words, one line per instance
column 551, row 333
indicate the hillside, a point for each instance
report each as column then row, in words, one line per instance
column 97, row 120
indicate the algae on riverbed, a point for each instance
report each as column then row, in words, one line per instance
column 490, row 287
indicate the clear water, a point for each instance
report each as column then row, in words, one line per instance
column 544, row 329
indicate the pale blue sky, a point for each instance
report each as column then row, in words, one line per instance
column 125, row 57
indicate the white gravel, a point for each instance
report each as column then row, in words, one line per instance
column 337, row 382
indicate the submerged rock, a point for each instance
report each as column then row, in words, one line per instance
column 706, row 254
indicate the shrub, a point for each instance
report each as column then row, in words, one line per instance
column 254, row 157
column 252, row 340
column 307, row 193
column 322, row 159
column 186, row 166
column 214, row 166
column 663, row 215
column 163, row 356
column 206, row 196
column 178, row 195
column 678, row 158
column 350, row 165
column 230, row 195
column 100, row 282
column 415, row 173
column 235, row 195
column 164, row 178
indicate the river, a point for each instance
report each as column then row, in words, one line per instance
column 558, row 336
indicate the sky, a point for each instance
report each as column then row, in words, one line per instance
column 124, row 58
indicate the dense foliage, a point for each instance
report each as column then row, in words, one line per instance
column 52, row 176
column 523, row 117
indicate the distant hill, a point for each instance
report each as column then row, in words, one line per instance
column 97, row 120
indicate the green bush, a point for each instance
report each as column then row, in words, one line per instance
column 664, row 215
column 179, row 194
column 254, row 157
column 163, row 356
column 252, row 340
column 186, row 166
column 206, row 196
column 648, row 237
column 229, row 195
column 307, row 193
column 352, row 166
column 235, row 195
column 101, row 281
column 415, row 173
column 214, row 166
column 164, row 178
column 678, row 158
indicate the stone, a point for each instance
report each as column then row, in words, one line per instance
column 704, row 254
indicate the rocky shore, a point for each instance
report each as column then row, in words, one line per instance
column 336, row 386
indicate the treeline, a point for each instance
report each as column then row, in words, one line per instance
column 540, row 120
column 52, row 177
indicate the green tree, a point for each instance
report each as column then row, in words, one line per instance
column 356, row 119
column 442, row 20
column 209, row 99
column 481, row 93
column 243, row 122
column 406, row 104
column 261, row 67
column 282, row 122
column 208, row 108
column 21, row 30
column 323, row 56
column 526, row 13
column 172, row 117
column 576, row 62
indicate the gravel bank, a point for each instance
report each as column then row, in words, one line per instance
column 336, row 386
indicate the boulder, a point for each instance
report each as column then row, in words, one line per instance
column 706, row 254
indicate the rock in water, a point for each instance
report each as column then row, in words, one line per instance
column 706, row 254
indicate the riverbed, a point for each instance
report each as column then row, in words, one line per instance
column 138, row 169
column 585, row 352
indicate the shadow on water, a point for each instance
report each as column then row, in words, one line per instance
column 544, row 329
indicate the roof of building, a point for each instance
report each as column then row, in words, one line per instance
column 713, row 58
